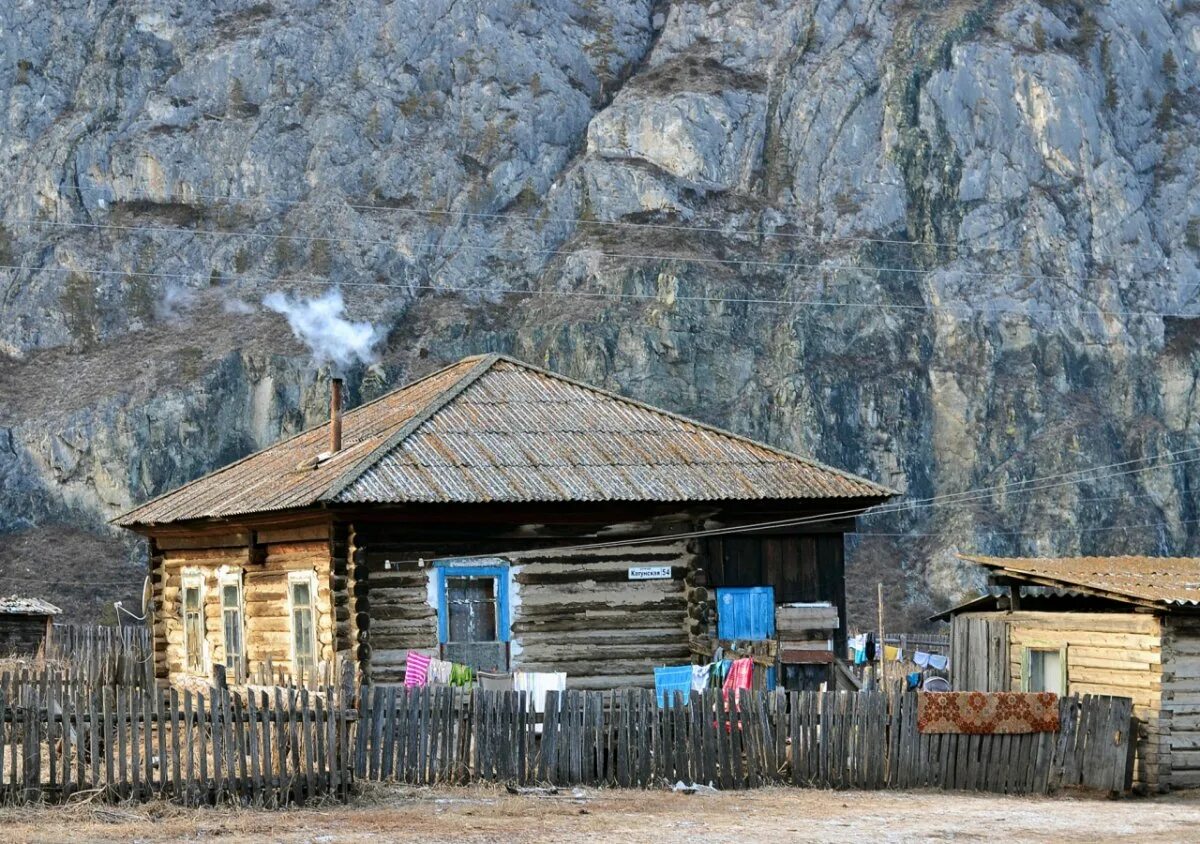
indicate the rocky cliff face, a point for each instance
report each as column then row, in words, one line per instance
column 948, row 246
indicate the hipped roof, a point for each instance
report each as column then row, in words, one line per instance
column 1150, row 581
column 493, row 429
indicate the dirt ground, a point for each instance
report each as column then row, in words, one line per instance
column 490, row 814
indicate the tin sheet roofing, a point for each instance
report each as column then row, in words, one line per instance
column 490, row 428
column 14, row 605
column 1155, row 580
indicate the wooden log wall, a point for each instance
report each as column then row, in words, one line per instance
column 1109, row 653
column 22, row 634
column 158, row 617
column 267, row 624
column 579, row 612
column 1181, row 701
column 396, row 607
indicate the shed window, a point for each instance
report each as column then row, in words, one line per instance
column 231, row 620
column 193, row 623
column 1045, row 670
column 302, row 588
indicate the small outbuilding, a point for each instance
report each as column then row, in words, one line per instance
column 501, row 516
column 1127, row 626
column 24, row 624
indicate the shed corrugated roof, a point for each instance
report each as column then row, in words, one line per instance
column 1157, row 580
column 493, row 429
column 15, row 605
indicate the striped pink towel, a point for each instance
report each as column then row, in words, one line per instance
column 416, row 672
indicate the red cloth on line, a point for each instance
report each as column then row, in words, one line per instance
column 738, row 678
column 416, row 669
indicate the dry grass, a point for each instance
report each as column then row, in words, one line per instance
column 482, row 813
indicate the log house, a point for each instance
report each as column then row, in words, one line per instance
column 499, row 515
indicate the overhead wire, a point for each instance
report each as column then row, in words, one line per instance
column 952, row 309
column 955, row 498
column 522, row 253
column 190, row 196
column 952, row 498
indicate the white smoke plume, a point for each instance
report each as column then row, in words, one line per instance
column 320, row 324
column 176, row 299
column 234, row 305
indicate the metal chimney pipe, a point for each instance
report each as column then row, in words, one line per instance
column 335, row 417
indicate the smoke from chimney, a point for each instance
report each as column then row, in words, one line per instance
column 320, row 325
column 335, row 416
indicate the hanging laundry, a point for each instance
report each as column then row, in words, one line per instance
column 536, row 684
column 914, row 680
column 700, row 677
column 740, row 675
column 939, row 661
column 891, row 653
column 416, row 669
column 461, row 675
column 869, row 648
column 672, row 680
column 492, row 681
column 921, row 658
column 860, row 656
column 439, row 671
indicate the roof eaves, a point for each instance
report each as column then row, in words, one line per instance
column 124, row 519
column 882, row 491
column 1005, row 566
column 404, row 431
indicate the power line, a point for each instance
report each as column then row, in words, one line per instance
column 1026, row 533
column 951, row 309
column 803, row 520
column 189, row 196
column 814, row 269
column 970, row 495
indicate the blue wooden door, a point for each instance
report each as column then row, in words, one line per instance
column 746, row 613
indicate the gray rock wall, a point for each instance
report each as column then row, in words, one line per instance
column 948, row 246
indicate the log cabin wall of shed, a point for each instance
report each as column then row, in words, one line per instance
column 266, row 620
column 1111, row 653
column 22, row 634
column 1181, row 698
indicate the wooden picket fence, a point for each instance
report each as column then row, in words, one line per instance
column 280, row 746
column 866, row 740
column 259, row 748
column 93, row 655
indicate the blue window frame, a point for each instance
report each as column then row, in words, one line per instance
column 448, row 570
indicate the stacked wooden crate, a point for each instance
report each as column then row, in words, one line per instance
column 805, row 633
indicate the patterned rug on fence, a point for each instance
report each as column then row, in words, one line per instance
column 984, row 713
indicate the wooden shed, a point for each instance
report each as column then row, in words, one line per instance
column 1127, row 626
column 24, row 624
column 498, row 515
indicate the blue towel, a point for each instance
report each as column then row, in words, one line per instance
column 671, row 679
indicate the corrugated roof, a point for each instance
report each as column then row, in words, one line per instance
column 490, row 429
column 1152, row 580
column 14, row 605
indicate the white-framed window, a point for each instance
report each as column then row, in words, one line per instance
column 1044, row 670
column 302, row 609
column 191, row 596
column 233, row 629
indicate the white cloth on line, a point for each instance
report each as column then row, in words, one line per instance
column 921, row 658
column 700, row 675
column 537, row 683
column 939, row 661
